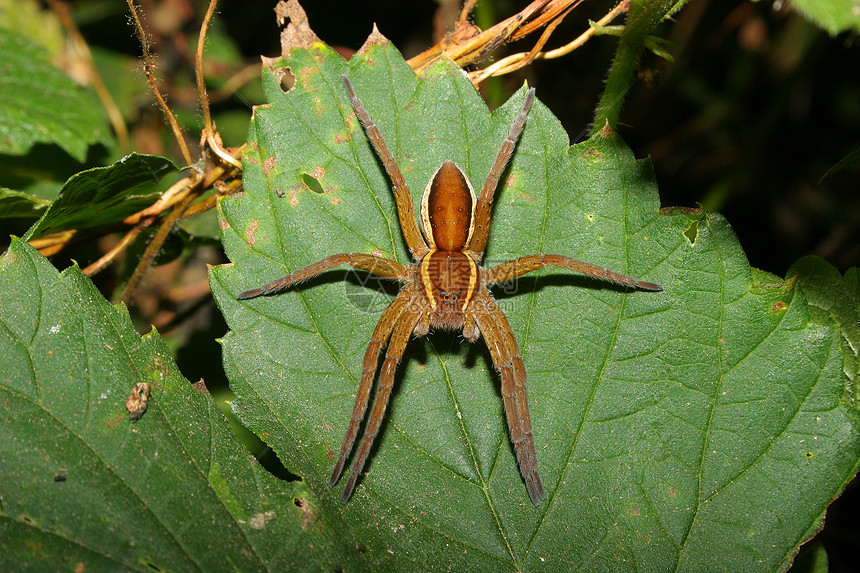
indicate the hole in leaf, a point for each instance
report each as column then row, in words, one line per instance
column 286, row 79
column 692, row 232
column 312, row 183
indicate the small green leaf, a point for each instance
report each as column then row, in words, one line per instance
column 40, row 104
column 102, row 196
column 84, row 488
column 18, row 205
column 704, row 427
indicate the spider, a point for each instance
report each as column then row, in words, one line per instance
column 444, row 287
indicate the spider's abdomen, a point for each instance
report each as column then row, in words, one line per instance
column 448, row 209
column 449, row 280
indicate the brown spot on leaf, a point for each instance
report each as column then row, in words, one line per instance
column 341, row 137
column 593, row 153
column 268, row 164
column 294, row 199
column 680, row 211
column 305, row 75
column 249, row 232
column 138, row 401
column 779, row 306
column 200, row 386
column 606, row 130
column 223, row 224
column 308, row 516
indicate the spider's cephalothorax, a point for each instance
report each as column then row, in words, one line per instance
column 445, row 288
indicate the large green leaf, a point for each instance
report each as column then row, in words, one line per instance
column 704, row 427
column 83, row 488
column 40, row 104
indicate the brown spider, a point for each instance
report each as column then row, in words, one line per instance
column 445, row 287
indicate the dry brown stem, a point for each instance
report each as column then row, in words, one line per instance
column 467, row 44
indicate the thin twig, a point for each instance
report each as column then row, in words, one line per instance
column 167, row 199
column 514, row 62
column 154, row 246
column 149, row 69
column 208, row 130
column 53, row 243
column 467, row 45
column 127, row 240
column 210, row 201
column 468, row 5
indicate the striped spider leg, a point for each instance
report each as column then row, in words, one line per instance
column 444, row 287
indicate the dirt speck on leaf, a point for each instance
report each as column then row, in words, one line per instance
column 308, row 515
column 138, row 401
column 258, row 521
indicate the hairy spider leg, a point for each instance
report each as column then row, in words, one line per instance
column 505, row 355
column 389, row 319
column 383, row 267
column 402, row 332
column 518, row 267
column 484, row 206
column 402, row 195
